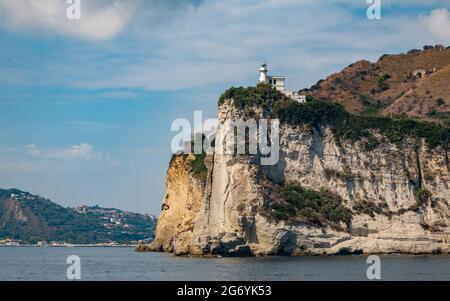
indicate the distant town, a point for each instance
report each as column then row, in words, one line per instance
column 18, row 243
column 118, row 220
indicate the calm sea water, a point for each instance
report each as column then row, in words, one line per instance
column 124, row 264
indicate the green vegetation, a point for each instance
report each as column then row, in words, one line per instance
column 371, row 142
column 367, row 207
column 354, row 127
column 198, row 165
column 263, row 95
column 440, row 101
column 443, row 117
column 373, row 109
column 316, row 86
column 382, row 84
column 280, row 211
column 383, row 78
column 315, row 207
column 343, row 124
column 422, row 196
column 310, row 98
column 432, row 113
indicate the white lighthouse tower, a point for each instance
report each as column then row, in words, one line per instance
column 263, row 73
column 278, row 82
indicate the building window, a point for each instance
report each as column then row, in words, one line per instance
column 274, row 81
column 270, row 81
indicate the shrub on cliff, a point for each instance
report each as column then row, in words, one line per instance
column 315, row 207
column 371, row 143
column 282, row 211
column 422, row 196
column 367, row 207
column 198, row 165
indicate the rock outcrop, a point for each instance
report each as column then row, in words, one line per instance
column 227, row 211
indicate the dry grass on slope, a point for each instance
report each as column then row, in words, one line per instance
column 363, row 85
column 428, row 97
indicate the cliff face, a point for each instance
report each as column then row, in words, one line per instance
column 230, row 212
column 181, row 207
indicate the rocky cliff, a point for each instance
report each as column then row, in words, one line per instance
column 328, row 194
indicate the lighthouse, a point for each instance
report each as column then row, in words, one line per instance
column 263, row 73
column 278, row 82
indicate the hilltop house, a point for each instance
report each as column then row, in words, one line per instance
column 421, row 73
column 278, row 82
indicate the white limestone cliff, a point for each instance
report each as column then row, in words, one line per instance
column 227, row 211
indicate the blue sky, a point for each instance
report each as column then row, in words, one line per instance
column 86, row 106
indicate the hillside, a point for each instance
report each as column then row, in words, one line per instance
column 416, row 83
column 31, row 218
column 429, row 99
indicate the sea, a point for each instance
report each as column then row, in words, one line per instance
column 123, row 264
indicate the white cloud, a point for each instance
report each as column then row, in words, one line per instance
column 82, row 151
column 99, row 20
column 438, row 23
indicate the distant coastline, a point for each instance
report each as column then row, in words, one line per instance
column 70, row 246
column 27, row 219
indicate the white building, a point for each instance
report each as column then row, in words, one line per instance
column 278, row 82
column 42, row 244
